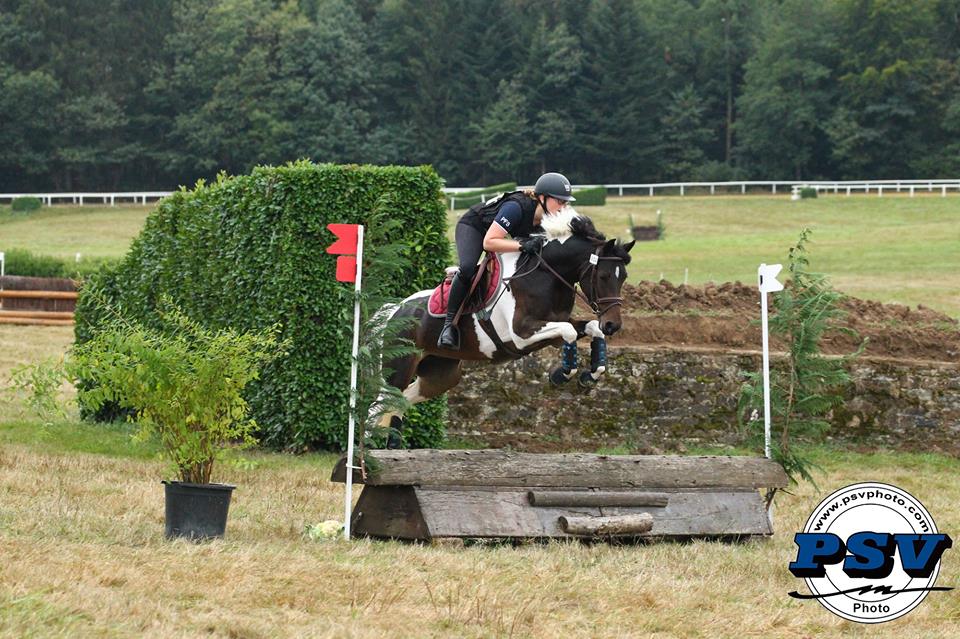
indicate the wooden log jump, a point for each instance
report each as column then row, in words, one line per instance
column 36, row 317
column 45, row 295
column 429, row 494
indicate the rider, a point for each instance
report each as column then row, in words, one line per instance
column 485, row 227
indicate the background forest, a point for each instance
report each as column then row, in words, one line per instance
column 137, row 94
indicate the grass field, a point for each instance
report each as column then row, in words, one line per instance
column 894, row 249
column 81, row 523
column 64, row 231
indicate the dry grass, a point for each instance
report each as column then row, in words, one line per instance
column 84, row 555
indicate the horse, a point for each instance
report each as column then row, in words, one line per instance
column 532, row 311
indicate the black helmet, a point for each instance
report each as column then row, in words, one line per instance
column 554, row 185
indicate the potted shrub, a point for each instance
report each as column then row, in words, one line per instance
column 183, row 386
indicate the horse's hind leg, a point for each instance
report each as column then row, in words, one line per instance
column 435, row 376
column 402, row 371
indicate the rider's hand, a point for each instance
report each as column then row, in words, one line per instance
column 532, row 244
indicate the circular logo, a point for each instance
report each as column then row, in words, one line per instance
column 885, row 552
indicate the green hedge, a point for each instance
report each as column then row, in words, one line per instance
column 467, row 199
column 249, row 251
column 23, row 262
column 596, row 196
column 26, row 204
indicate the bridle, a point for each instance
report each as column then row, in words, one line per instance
column 591, row 265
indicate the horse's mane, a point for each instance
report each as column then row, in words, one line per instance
column 582, row 226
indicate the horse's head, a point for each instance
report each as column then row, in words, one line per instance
column 602, row 279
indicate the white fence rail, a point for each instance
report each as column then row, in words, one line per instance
column 138, row 197
column 663, row 188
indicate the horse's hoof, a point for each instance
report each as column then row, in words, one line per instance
column 394, row 440
column 586, row 380
column 558, row 377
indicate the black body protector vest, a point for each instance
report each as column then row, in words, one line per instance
column 481, row 215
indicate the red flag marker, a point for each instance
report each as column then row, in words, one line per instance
column 347, row 268
column 346, row 243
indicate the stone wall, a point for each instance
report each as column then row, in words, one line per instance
column 655, row 400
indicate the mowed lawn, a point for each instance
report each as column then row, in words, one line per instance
column 64, row 231
column 893, row 249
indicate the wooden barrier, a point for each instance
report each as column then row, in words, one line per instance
column 36, row 318
column 429, row 494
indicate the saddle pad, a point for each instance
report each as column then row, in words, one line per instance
column 437, row 306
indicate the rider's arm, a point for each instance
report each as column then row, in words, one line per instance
column 496, row 239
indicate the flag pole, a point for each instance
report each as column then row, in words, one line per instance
column 766, row 365
column 767, row 280
column 351, row 428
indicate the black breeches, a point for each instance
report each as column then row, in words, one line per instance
column 469, row 248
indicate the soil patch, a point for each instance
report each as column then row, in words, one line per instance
column 727, row 316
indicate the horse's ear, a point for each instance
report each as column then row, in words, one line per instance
column 610, row 245
column 629, row 245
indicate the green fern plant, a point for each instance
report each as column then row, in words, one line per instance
column 807, row 386
column 381, row 341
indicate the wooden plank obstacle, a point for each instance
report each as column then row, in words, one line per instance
column 429, row 494
column 35, row 317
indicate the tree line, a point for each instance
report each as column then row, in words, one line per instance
column 124, row 94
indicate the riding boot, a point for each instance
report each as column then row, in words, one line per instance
column 450, row 335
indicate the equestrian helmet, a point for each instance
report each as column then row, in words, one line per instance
column 555, row 185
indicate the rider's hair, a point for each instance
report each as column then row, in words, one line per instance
column 529, row 193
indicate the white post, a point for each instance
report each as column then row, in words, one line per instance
column 681, row 189
column 348, row 498
column 767, row 276
column 621, row 191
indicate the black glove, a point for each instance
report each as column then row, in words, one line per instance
column 532, row 244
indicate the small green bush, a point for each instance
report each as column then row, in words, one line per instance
column 468, row 198
column 25, row 204
column 27, row 264
column 596, row 196
column 808, row 192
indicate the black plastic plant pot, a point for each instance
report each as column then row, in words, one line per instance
column 196, row 511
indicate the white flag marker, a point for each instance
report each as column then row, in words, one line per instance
column 767, row 276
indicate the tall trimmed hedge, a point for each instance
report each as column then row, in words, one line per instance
column 249, row 251
column 596, row 196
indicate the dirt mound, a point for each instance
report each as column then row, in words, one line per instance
column 727, row 316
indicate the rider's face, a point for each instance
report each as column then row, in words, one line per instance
column 554, row 205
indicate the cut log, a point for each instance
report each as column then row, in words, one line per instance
column 576, row 498
column 46, row 295
column 607, row 526
column 569, row 470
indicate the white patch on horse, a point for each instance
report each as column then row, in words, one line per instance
column 417, row 295
column 502, row 315
column 593, row 329
column 412, row 392
column 557, row 225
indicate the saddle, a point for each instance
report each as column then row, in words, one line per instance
column 484, row 286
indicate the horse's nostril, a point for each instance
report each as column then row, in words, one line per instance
column 609, row 328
